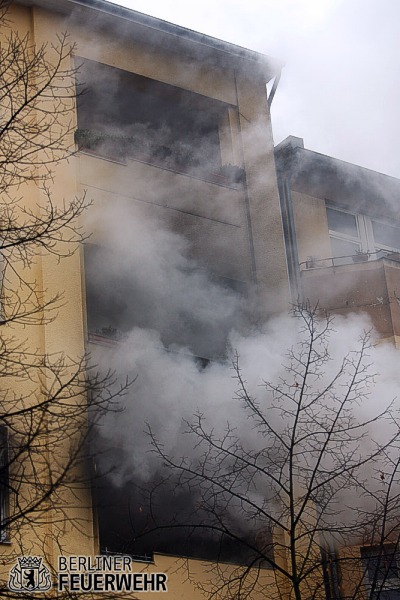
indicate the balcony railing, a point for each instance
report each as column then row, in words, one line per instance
column 113, row 338
column 338, row 261
column 119, row 148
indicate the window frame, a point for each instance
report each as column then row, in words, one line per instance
column 382, row 246
column 4, row 482
column 169, row 98
column 380, row 578
column 365, row 238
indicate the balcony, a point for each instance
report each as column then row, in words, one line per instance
column 120, row 148
column 370, row 284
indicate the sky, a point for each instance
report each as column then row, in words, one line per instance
column 340, row 87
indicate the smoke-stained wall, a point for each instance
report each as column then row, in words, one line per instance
column 184, row 146
column 175, row 149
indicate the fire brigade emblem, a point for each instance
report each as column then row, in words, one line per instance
column 29, row 575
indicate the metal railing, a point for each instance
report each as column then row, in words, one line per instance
column 338, row 261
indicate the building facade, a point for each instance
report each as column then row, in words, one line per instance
column 175, row 152
column 169, row 136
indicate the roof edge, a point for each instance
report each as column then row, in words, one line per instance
column 227, row 49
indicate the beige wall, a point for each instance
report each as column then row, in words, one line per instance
column 71, row 526
column 211, row 216
column 197, row 579
column 263, row 199
column 311, row 227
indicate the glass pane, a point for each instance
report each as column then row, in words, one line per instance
column 345, row 249
column 342, row 222
column 388, row 595
column 386, row 235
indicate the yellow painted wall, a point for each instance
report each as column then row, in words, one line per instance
column 71, row 526
column 311, row 227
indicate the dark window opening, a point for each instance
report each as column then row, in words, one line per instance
column 122, row 115
column 4, row 482
column 118, row 300
column 381, row 564
column 342, row 222
column 160, row 518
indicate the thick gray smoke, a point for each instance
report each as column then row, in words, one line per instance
column 172, row 312
column 341, row 81
column 171, row 387
column 143, row 276
column 169, row 323
column 155, row 292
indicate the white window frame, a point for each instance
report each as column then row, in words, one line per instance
column 365, row 237
column 381, row 246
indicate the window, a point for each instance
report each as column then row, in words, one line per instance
column 351, row 234
column 386, row 236
column 4, row 482
column 123, row 115
column 347, row 234
column 381, row 564
column 119, row 298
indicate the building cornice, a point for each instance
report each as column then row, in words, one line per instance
column 192, row 43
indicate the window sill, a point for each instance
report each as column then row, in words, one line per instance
column 102, row 340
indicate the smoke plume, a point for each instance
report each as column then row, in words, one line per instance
column 169, row 313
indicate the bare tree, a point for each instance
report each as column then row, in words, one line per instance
column 49, row 401
column 306, row 481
